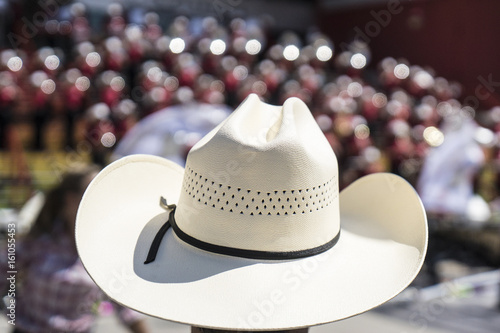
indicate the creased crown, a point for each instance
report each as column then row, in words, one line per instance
column 264, row 179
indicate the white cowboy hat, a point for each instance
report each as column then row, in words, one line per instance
column 255, row 235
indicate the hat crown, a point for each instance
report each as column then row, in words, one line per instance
column 264, row 179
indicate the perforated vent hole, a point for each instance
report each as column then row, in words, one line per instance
column 255, row 202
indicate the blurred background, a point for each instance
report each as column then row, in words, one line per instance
column 409, row 87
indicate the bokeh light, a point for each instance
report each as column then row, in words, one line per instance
column 362, row 131
column 371, row 154
column 217, row 85
column 93, row 59
column 354, row 89
column 108, row 139
column 154, row 74
column 185, row 95
column 291, row 52
column 324, row 122
column 117, row 83
column 324, row 53
column 358, row 61
column 48, row 86
column 239, row 44
column 37, row 78
column 433, row 136
column 113, row 44
column 240, row 72
column 379, row 100
column 253, row 47
column 485, row 137
column 218, row 47
column 424, row 111
column 82, row 83
column 158, row 94
column 423, row 79
column 444, row 109
column 52, row 62
column 177, row 45
column 162, row 43
column 44, row 52
column 107, row 76
column 71, row 75
column 99, row 111
column 259, row 87
column 400, row 128
column 15, row 64
column 401, row 71
column 133, row 32
column 171, row 83
column 84, row 48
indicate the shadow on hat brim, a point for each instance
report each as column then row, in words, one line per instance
column 380, row 251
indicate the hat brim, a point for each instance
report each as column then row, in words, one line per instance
column 381, row 249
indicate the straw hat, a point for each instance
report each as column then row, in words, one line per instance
column 253, row 233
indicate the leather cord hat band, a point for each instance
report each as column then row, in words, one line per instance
column 225, row 250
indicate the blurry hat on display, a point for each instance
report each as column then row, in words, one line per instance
column 447, row 175
column 170, row 131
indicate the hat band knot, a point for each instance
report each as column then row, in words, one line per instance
column 225, row 250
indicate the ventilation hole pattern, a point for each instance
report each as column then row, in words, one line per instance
column 206, row 191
